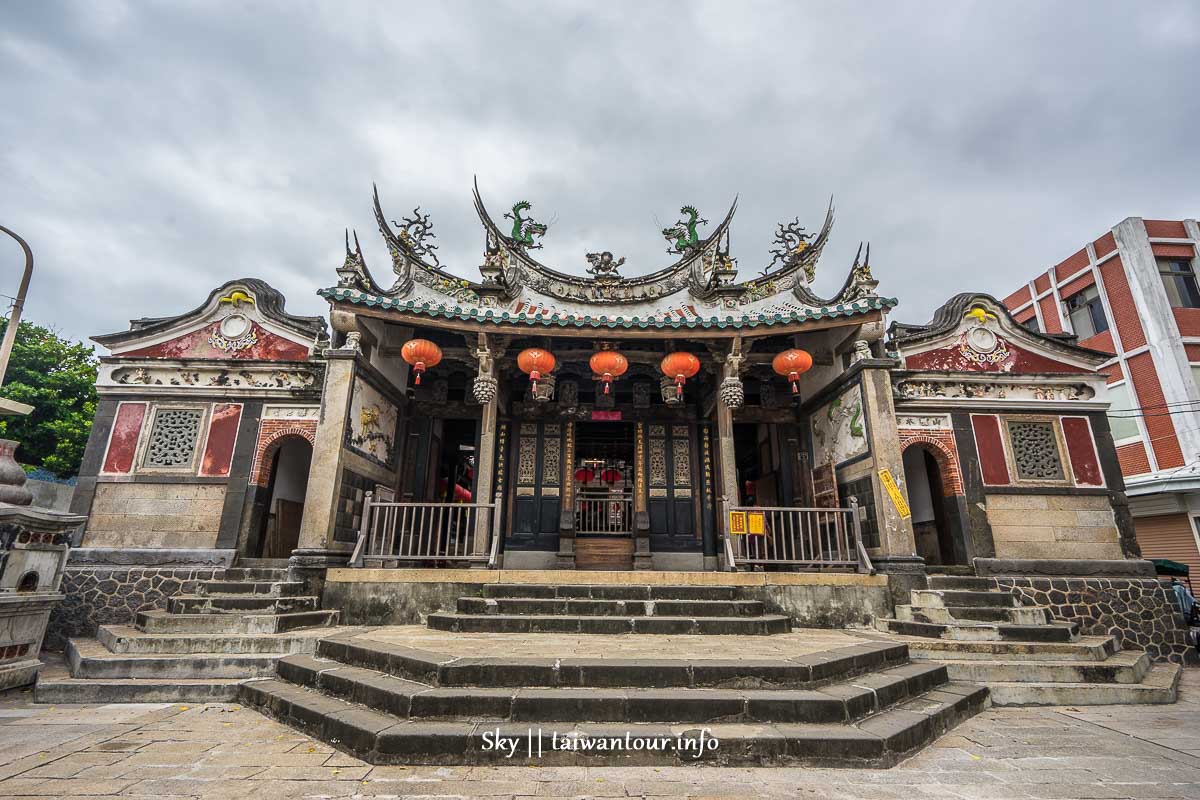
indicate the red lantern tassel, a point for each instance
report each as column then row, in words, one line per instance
column 418, row 368
column 679, row 385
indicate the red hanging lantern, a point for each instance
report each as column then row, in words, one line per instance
column 421, row 354
column 680, row 366
column 535, row 363
column 584, row 475
column 793, row 364
column 610, row 475
column 608, row 364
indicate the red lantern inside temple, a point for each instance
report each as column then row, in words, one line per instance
column 421, row 354
column 536, row 362
column 680, row 366
column 793, row 364
column 610, row 475
column 584, row 475
column 608, row 364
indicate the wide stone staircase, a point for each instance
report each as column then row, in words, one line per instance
column 986, row 635
column 863, row 704
column 526, row 608
column 199, row 649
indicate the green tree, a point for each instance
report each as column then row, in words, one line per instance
column 58, row 378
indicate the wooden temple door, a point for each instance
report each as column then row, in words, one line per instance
column 537, row 481
column 673, row 473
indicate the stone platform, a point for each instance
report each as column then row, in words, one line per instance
column 410, row 596
column 417, row 695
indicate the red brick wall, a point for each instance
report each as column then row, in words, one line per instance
column 1158, row 422
column 1165, row 229
column 1120, row 300
column 1105, row 245
column 1185, row 251
column 1017, row 299
column 1025, row 315
column 1193, row 352
column 1101, row 341
column 941, row 445
column 1078, row 285
column 1073, row 264
column 1188, row 320
column 1050, row 317
column 1132, row 458
column 1113, row 371
column 271, row 434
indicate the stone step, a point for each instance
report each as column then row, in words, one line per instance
column 610, row 591
column 1125, row 667
column 983, row 631
column 87, row 658
column 136, row 690
column 126, row 639
column 606, row 608
column 1160, row 685
column 840, row 702
column 254, row 574
column 881, row 740
column 946, row 615
column 1088, row 648
column 499, row 623
column 799, row 672
column 969, row 582
column 239, row 603
column 938, row 598
column 272, row 588
column 165, row 622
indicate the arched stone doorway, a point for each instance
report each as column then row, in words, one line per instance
column 286, row 460
column 931, row 477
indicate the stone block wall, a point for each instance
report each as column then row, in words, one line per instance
column 1053, row 526
column 107, row 595
column 164, row 515
column 1141, row 612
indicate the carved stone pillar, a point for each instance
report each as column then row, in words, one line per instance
column 641, row 511
column 566, row 515
column 316, row 550
column 485, row 459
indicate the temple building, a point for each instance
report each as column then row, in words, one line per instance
column 538, row 418
column 606, row 451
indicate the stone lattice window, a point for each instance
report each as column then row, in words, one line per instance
column 173, row 438
column 1035, row 451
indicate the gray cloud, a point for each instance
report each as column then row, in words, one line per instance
column 151, row 150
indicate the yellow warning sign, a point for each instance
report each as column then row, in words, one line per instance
column 737, row 522
column 756, row 523
column 889, row 483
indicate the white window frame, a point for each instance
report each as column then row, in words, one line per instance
column 1137, row 438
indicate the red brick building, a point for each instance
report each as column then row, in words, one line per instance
column 1133, row 293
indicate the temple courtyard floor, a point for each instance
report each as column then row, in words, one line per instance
column 167, row 751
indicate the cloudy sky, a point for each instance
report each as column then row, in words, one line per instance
column 152, row 150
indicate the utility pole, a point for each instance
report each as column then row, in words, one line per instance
column 10, row 335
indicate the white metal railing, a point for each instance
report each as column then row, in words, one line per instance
column 392, row 533
column 805, row 538
column 602, row 512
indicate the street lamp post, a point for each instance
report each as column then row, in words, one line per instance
column 10, row 335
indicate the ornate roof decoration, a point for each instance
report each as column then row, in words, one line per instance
column 413, row 259
column 699, row 288
column 242, row 320
column 509, row 267
column 682, row 317
column 977, row 328
column 238, row 295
